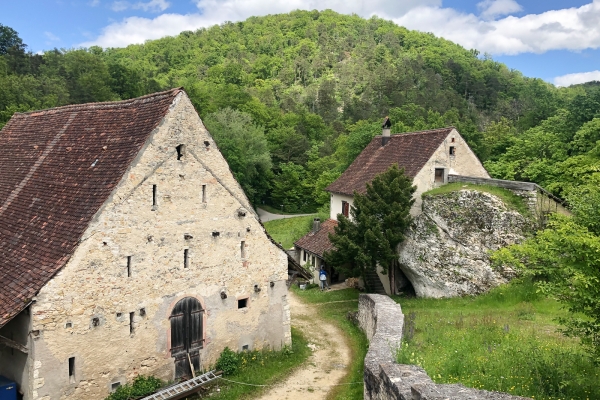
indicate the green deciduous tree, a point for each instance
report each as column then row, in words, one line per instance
column 379, row 219
column 565, row 257
column 245, row 147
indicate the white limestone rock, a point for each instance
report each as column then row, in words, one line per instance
column 446, row 252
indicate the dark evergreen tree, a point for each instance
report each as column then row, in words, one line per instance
column 379, row 219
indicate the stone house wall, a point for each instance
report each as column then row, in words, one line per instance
column 200, row 213
column 463, row 162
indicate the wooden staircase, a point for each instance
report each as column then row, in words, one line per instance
column 184, row 389
column 373, row 283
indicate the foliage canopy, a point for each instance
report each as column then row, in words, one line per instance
column 379, row 219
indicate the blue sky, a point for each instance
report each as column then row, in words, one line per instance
column 557, row 41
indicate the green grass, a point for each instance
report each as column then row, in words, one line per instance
column 505, row 340
column 262, row 368
column 347, row 300
column 287, row 231
column 511, row 200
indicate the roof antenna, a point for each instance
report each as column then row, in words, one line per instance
column 385, row 136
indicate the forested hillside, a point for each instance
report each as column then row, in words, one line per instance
column 293, row 98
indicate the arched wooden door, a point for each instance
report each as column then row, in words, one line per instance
column 186, row 335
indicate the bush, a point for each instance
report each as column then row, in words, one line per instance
column 141, row 386
column 228, row 362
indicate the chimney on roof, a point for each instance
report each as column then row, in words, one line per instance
column 385, row 135
column 316, row 225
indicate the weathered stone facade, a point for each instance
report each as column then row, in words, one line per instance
column 172, row 229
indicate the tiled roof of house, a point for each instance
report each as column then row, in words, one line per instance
column 57, row 168
column 318, row 242
column 409, row 150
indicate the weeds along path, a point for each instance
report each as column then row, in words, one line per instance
column 325, row 367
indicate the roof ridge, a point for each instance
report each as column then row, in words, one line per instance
column 436, row 130
column 100, row 104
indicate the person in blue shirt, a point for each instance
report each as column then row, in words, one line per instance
column 323, row 279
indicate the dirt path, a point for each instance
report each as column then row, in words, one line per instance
column 327, row 364
column 266, row 216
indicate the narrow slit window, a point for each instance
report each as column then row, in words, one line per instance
column 71, row 369
column 180, row 151
column 204, row 193
column 304, row 255
column 154, row 195
column 186, row 258
column 128, row 266
column 131, row 327
column 243, row 249
column 452, row 151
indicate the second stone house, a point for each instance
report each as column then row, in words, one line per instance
column 428, row 157
column 127, row 247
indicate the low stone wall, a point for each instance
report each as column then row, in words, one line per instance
column 382, row 320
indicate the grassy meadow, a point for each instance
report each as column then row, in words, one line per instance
column 506, row 340
column 287, row 231
column 262, row 367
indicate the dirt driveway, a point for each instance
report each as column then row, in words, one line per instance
column 326, row 366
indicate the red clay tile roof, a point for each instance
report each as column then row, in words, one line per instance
column 318, row 242
column 57, row 168
column 409, row 150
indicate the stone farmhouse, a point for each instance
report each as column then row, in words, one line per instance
column 127, row 247
column 429, row 157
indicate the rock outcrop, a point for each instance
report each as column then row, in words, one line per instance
column 446, row 252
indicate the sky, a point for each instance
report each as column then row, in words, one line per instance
column 556, row 40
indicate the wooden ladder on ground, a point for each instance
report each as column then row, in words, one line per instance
column 183, row 389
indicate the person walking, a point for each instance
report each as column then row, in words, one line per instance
column 323, row 279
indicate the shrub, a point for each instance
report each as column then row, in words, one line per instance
column 228, row 362
column 141, row 386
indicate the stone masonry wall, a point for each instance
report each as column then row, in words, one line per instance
column 382, row 320
column 227, row 248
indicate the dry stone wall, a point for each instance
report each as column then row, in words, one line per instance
column 109, row 307
column 382, row 320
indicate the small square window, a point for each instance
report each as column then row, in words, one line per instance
column 452, row 150
column 243, row 303
column 114, row 386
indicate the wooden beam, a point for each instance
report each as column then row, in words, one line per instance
column 13, row 345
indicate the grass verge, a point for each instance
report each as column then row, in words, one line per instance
column 510, row 199
column 287, row 231
column 345, row 300
column 261, row 368
column 275, row 210
column 505, row 340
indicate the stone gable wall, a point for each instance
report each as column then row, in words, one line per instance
column 95, row 282
column 382, row 320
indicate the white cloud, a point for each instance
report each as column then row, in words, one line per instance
column 567, row 29
column 137, row 30
column 51, row 36
column 573, row 79
column 94, row 3
column 150, row 6
column 491, row 9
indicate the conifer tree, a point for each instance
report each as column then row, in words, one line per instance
column 379, row 219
